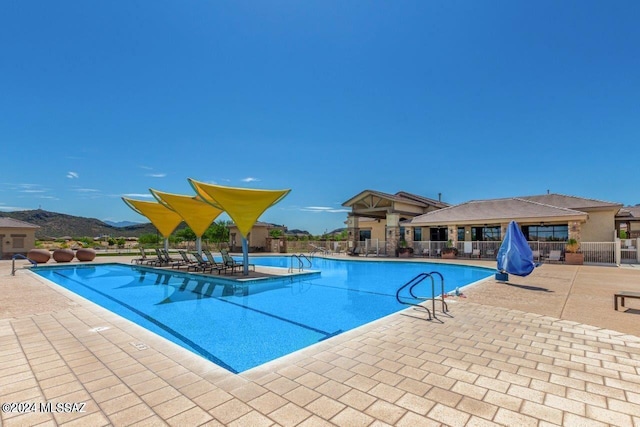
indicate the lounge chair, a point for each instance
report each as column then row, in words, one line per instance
column 143, row 257
column 158, row 260
column 316, row 248
column 554, row 256
column 214, row 264
column 168, row 258
column 231, row 263
column 201, row 263
column 475, row 253
column 468, row 249
column 185, row 262
column 536, row 255
column 356, row 251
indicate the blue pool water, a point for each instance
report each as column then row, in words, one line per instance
column 240, row 326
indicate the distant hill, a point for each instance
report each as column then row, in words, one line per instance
column 121, row 223
column 54, row 225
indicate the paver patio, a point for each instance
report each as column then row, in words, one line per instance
column 544, row 350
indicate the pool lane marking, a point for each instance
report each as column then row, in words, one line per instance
column 265, row 313
column 202, row 351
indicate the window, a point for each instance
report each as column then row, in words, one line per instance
column 439, row 234
column 546, row 233
column 461, row 234
column 417, row 234
column 486, row 234
column 18, row 242
column 364, row 235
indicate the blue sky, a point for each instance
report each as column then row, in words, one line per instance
column 471, row 99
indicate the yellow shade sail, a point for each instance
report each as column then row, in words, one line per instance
column 197, row 213
column 243, row 205
column 163, row 218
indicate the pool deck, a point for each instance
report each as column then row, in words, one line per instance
column 544, row 350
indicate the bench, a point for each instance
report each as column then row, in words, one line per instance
column 622, row 295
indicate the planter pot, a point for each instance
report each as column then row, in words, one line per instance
column 574, row 258
column 449, row 255
column 63, row 255
column 40, row 256
column 405, row 252
column 85, row 254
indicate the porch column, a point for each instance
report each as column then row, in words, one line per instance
column 353, row 231
column 393, row 231
column 503, row 230
column 574, row 230
column 453, row 234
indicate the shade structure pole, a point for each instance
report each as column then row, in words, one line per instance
column 245, row 257
column 166, row 244
column 199, row 245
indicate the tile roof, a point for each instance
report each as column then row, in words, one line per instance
column 400, row 196
column 570, row 202
column 629, row 212
column 496, row 209
column 6, row 222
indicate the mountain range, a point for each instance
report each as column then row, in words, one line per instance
column 54, row 225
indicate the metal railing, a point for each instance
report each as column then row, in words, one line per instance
column 19, row 256
column 300, row 258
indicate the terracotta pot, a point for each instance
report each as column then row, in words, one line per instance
column 572, row 258
column 85, row 254
column 39, row 255
column 449, row 255
column 63, row 255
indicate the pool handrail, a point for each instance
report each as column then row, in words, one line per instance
column 412, row 283
column 445, row 308
column 20, row 256
column 300, row 262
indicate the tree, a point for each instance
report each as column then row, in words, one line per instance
column 186, row 234
column 148, row 239
column 275, row 233
column 218, row 232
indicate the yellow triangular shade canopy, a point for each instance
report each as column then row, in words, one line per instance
column 197, row 213
column 163, row 218
column 243, row 205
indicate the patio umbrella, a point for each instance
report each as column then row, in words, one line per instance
column 515, row 256
column 196, row 213
column 243, row 205
column 163, row 218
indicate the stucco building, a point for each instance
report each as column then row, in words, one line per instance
column 16, row 237
column 548, row 217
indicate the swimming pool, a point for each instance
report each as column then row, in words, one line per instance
column 240, row 326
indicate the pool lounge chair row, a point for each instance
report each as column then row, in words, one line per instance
column 207, row 263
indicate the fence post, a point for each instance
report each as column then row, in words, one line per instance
column 618, row 251
column 638, row 249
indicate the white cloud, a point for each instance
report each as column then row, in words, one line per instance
column 12, row 208
column 86, row 190
column 320, row 209
column 249, row 179
column 73, row 175
column 156, row 175
column 142, row 195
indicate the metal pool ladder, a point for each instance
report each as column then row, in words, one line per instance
column 19, row 256
column 412, row 297
column 301, row 258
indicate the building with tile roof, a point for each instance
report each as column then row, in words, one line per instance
column 628, row 219
column 547, row 217
column 16, row 237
